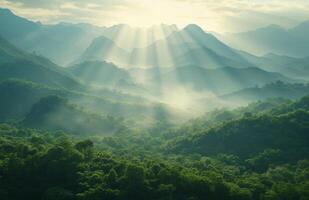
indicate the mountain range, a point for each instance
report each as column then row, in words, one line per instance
column 120, row 69
column 157, row 46
column 273, row 39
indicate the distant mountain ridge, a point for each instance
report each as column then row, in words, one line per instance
column 102, row 48
column 140, row 64
column 273, row 39
column 272, row 90
column 164, row 45
column 14, row 26
column 98, row 72
column 64, row 42
column 18, row 64
column 190, row 45
column 220, row 80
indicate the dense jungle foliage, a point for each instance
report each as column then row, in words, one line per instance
column 238, row 154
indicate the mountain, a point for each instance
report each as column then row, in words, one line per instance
column 129, row 38
column 99, row 73
column 63, row 43
column 14, row 105
column 9, row 53
column 272, row 90
column 30, row 71
column 126, row 46
column 259, row 133
column 296, row 68
column 60, row 42
column 107, row 75
column 283, row 128
column 272, row 39
column 113, row 48
column 268, row 61
column 301, row 31
column 60, row 81
column 189, row 57
column 102, row 49
column 159, row 53
column 221, row 80
column 14, row 27
column 207, row 58
column 201, row 38
column 17, row 97
column 19, row 64
column 54, row 113
column 191, row 45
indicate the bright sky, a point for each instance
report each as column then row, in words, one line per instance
column 212, row 15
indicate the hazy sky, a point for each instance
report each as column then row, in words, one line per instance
column 212, row 15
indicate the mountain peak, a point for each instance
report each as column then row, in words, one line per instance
column 5, row 11
column 193, row 27
column 302, row 26
column 102, row 39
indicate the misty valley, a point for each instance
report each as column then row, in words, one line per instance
column 153, row 113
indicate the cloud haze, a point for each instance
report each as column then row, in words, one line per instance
column 213, row 15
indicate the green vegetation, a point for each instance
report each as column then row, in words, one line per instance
column 233, row 155
column 15, row 105
column 55, row 113
column 271, row 90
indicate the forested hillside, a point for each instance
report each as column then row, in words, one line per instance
column 254, row 155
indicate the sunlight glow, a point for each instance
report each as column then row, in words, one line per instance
column 218, row 16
